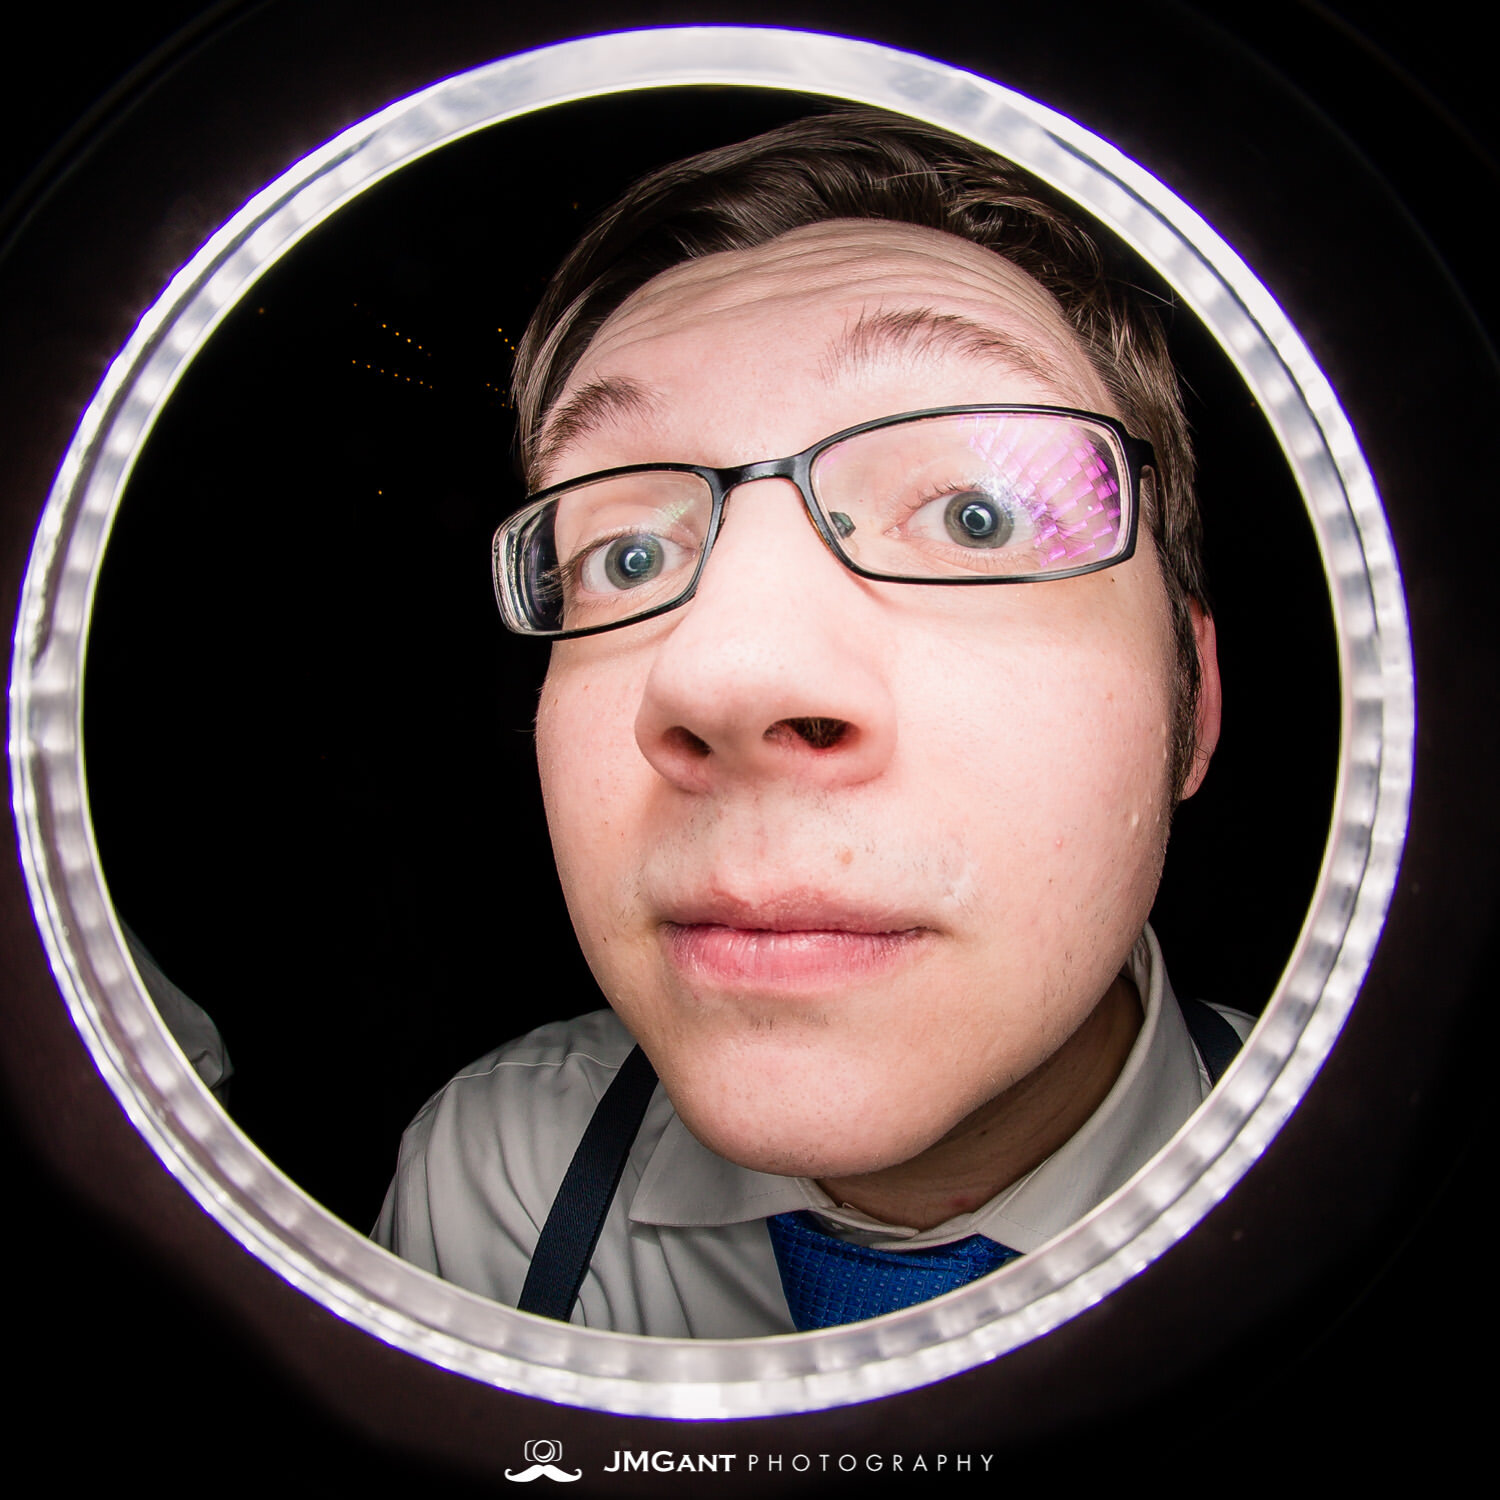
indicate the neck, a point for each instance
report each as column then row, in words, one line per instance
column 1009, row 1135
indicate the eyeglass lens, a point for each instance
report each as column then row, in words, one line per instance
column 974, row 495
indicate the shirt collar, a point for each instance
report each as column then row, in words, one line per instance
column 685, row 1185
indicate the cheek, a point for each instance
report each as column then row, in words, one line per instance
column 1053, row 761
column 590, row 770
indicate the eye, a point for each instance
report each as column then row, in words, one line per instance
column 632, row 560
column 975, row 519
column 965, row 522
column 629, row 561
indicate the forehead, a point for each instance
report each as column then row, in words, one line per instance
column 845, row 305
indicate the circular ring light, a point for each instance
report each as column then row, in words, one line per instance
column 270, row 1215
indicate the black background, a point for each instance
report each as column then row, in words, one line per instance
column 138, row 1363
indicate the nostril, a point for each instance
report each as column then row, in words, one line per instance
column 685, row 740
column 820, row 734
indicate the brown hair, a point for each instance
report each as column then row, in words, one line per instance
column 867, row 164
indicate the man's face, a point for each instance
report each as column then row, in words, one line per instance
column 833, row 953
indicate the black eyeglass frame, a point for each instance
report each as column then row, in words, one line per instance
column 511, row 535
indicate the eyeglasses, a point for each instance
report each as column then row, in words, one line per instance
column 951, row 495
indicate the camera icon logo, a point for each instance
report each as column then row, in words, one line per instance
column 542, row 1455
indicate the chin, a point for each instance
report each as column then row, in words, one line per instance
column 787, row 1136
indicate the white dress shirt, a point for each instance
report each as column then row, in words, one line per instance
column 684, row 1252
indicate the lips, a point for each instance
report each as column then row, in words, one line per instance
column 791, row 942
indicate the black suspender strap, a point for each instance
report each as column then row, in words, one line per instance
column 1217, row 1041
column 566, row 1246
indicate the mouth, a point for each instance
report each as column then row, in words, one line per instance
column 796, row 943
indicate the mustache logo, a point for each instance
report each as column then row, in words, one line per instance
column 539, row 1471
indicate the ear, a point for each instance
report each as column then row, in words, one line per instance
column 1210, row 698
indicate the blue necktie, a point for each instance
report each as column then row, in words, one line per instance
column 828, row 1280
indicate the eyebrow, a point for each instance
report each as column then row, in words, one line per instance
column 919, row 331
column 925, row 333
column 589, row 408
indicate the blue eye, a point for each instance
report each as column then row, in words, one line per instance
column 639, row 561
column 630, row 561
column 975, row 519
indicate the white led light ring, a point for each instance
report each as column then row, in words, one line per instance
column 280, row 1224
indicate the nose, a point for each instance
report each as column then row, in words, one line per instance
column 773, row 670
